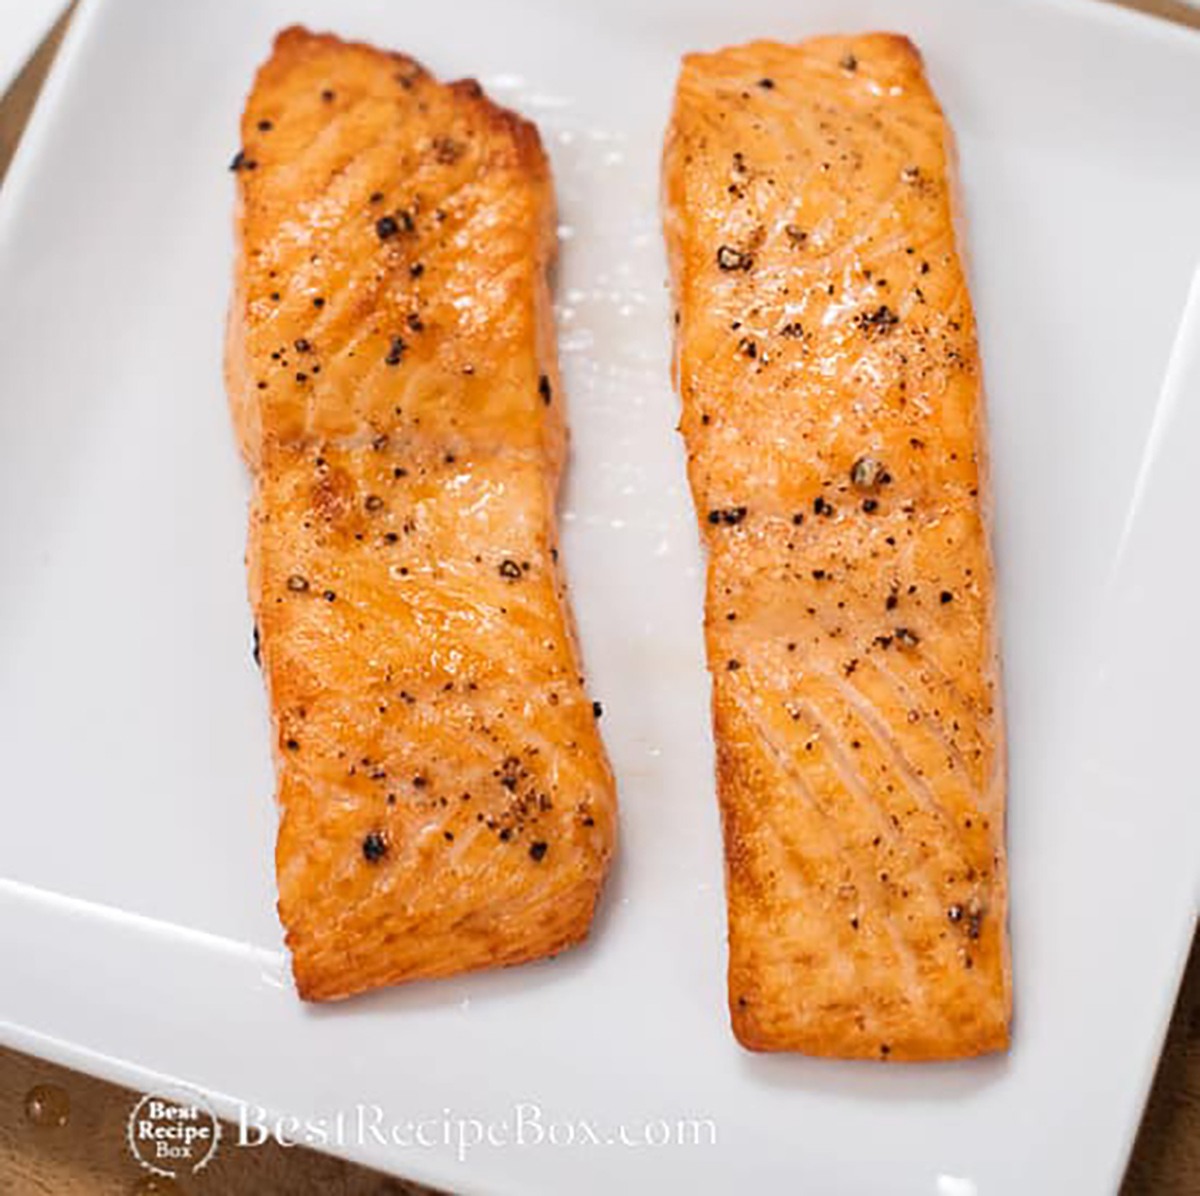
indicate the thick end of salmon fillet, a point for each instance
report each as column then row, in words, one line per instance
column 827, row 362
column 446, row 804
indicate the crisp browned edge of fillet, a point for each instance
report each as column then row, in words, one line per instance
column 321, row 979
column 931, row 1047
column 322, row 975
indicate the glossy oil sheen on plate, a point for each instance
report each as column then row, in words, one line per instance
column 136, row 853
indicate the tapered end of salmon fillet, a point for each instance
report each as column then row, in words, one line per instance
column 445, row 801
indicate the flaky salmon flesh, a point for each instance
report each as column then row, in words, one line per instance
column 445, row 800
column 827, row 362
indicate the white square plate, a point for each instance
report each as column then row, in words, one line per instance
column 137, row 926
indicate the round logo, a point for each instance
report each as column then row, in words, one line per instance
column 174, row 1132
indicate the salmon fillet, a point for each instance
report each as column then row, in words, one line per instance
column 445, row 800
column 827, row 362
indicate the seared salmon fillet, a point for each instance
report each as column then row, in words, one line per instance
column 827, row 362
column 445, row 799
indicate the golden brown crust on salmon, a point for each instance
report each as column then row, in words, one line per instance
column 446, row 804
column 827, row 361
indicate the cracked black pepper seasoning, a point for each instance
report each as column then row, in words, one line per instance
column 879, row 321
column 729, row 258
column 866, row 472
column 374, row 847
column 729, row 516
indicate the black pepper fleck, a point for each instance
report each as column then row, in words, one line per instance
column 729, row 258
column 866, row 473
column 880, row 321
column 374, row 847
column 730, row 516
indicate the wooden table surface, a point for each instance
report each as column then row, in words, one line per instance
column 88, row 1155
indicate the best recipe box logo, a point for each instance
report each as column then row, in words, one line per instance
column 173, row 1134
column 178, row 1133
